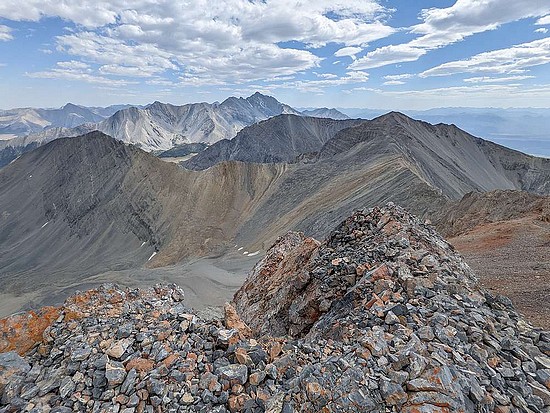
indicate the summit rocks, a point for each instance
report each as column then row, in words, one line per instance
column 383, row 316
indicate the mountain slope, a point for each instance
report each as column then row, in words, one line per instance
column 502, row 234
column 279, row 139
column 383, row 315
column 443, row 155
column 77, row 207
column 155, row 127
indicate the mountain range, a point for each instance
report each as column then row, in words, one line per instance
column 25, row 121
column 73, row 208
column 155, row 127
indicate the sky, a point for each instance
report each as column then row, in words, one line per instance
column 388, row 54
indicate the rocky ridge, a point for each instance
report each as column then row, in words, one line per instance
column 382, row 316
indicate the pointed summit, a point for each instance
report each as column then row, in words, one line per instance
column 394, row 116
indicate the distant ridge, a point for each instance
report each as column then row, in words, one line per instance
column 444, row 156
column 280, row 139
column 159, row 126
column 325, row 113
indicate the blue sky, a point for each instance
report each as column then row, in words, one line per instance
column 400, row 54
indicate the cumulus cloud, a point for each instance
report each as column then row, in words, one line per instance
column 5, row 33
column 542, row 30
column 348, row 51
column 503, row 61
column 387, row 55
column 235, row 40
column 543, row 21
column 443, row 26
column 84, row 12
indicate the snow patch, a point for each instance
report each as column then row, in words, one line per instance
column 245, row 253
column 240, row 248
column 143, row 243
column 44, row 224
column 152, row 255
column 253, row 254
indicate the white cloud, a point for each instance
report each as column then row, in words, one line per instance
column 73, row 65
column 488, row 79
column 131, row 71
column 317, row 86
column 79, row 76
column 387, row 55
column 326, row 75
column 105, row 50
column 79, row 71
column 477, row 95
column 543, row 21
column 235, row 40
column 5, row 33
column 393, row 82
column 502, row 61
column 399, row 77
column 443, row 26
column 543, row 30
column 348, row 51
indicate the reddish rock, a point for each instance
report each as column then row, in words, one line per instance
column 232, row 320
column 23, row 331
column 171, row 359
column 278, row 279
column 141, row 365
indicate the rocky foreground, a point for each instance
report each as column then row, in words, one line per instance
column 382, row 316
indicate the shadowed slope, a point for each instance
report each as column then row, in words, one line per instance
column 280, row 139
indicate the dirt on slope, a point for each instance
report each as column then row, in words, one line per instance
column 505, row 238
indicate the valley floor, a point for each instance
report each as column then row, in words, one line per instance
column 509, row 258
column 208, row 283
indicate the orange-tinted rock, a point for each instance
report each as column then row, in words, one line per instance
column 23, row 331
column 171, row 359
column 141, row 365
column 236, row 403
column 232, row 320
column 274, row 283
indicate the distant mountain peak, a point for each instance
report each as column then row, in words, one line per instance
column 69, row 106
column 396, row 116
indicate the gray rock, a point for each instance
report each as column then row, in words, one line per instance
column 115, row 373
column 66, row 387
column 12, row 367
column 234, row 372
column 392, row 393
column 81, row 354
column 129, row 382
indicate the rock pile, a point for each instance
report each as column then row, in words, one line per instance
column 383, row 316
